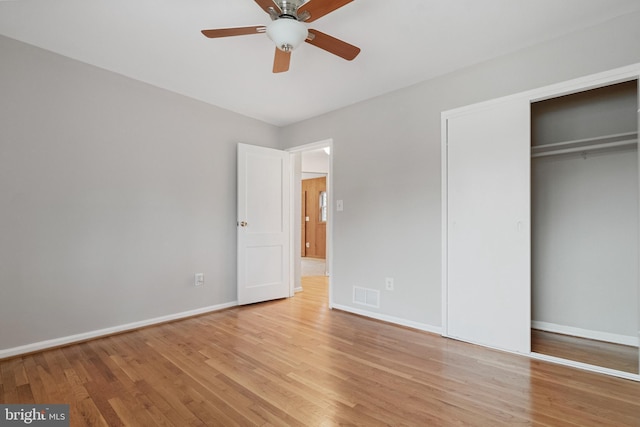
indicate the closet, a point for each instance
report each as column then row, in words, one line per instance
column 584, row 232
column 540, row 220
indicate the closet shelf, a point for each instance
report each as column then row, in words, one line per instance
column 620, row 140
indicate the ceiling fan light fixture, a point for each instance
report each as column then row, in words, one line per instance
column 287, row 33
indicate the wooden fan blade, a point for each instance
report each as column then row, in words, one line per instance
column 333, row 45
column 239, row 31
column 318, row 8
column 281, row 61
column 266, row 4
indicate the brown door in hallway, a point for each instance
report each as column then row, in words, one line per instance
column 314, row 217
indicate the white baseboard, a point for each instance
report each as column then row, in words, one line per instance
column 390, row 319
column 298, row 289
column 57, row 342
column 585, row 333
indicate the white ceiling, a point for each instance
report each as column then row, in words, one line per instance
column 402, row 42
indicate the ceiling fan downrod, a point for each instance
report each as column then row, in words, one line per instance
column 289, row 7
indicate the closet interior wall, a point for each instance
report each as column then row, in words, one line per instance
column 585, row 219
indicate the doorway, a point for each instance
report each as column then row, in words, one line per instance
column 312, row 216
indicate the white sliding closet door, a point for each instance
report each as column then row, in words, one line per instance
column 487, row 257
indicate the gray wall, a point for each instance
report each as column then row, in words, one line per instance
column 387, row 163
column 585, row 241
column 113, row 194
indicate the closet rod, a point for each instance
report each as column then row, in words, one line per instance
column 587, row 141
column 588, row 148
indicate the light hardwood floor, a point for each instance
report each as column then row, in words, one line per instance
column 613, row 356
column 294, row 362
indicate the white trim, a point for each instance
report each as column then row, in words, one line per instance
column 585, row 333
column 298, row 289
column 390, row 319
column 293, row 253
column 585, row 366
column 311, row 146
column 444, row 240
column 57, row 342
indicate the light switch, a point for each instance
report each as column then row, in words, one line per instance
column 198, row 279
column 339, row 205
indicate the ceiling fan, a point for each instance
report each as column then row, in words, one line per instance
column 288, row 30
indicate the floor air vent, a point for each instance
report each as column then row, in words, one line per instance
column 368, row 297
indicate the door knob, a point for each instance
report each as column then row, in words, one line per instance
column 243, row 223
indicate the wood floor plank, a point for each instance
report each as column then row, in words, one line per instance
column 37, row 386
column 24, row 394
column 85, row 412
column 8, row 380
column 609, row 355
column 294, row 362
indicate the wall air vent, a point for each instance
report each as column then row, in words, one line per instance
column 368, row 297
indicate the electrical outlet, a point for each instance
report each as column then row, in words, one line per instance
column 388, row 283
column 198, row 279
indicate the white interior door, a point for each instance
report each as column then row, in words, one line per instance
column 487, row 236
column 263, row 224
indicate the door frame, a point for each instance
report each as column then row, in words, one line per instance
column 296, row 200
column 617, row 75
